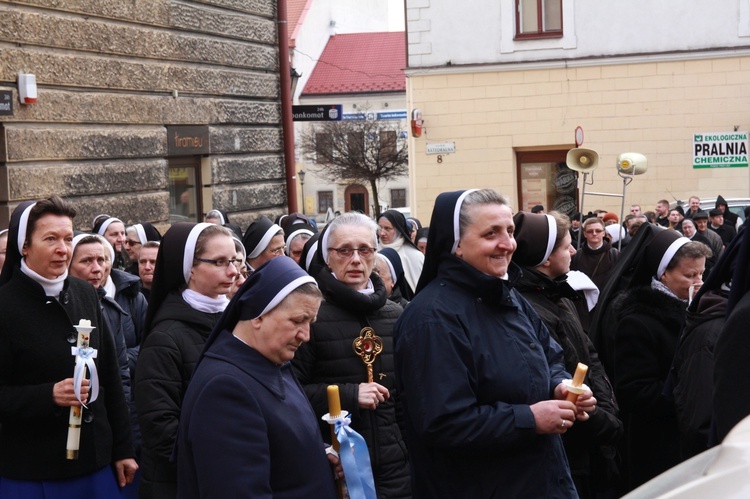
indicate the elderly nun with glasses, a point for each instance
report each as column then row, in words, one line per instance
column 351, row 346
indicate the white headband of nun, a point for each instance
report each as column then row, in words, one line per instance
column 188, row 254
column 22, row 226
column 295, row 234
column 286, row 291
column 311, row 255
column 456, row 216
column 551, row 236
column 390, row 267
column 99, row 238
column 106, row 225
column 237, row 240
column 264, row 241
column 141, row 233
column 669, row 254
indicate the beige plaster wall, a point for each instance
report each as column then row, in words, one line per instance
column 651, row 107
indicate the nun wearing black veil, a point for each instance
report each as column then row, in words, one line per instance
column 480, row 378
column 195, row 269
column 246, row 424
column 40, row 303
column 648, row 318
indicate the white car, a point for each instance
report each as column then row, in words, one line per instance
column 721, row 472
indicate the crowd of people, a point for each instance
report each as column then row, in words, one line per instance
column 452, row 346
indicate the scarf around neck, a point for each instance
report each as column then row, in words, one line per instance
column 203, row 303
column 52, row 287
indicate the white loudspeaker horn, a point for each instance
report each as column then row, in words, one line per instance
column 632, row 163
column 582, row 160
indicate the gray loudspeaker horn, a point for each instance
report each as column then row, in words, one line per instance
column 582, row 160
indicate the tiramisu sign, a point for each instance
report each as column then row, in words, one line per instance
column 187, row 140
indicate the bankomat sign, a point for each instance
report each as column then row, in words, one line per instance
column 720, row 150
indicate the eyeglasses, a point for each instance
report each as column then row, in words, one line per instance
column 364, row 252
column 129, row 242
column 221, row 262
column 593, row 231
column 277, row 251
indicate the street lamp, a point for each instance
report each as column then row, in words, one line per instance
column 301, row 175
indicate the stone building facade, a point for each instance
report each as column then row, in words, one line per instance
column 149, row 110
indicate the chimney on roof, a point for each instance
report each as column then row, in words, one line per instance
column 332, row 27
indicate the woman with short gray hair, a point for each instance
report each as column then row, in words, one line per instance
column 356, row 316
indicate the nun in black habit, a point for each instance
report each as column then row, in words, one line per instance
column 246, row 424
column 263, row 241
column 195, row 268
column 40, row 303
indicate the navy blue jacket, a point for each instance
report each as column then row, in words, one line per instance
column 247, row 429
column 471, row 357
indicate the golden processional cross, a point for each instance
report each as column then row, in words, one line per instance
column 368, row 345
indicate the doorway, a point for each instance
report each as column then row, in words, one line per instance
column 356, row 198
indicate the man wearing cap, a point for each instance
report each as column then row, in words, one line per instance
column 675, row 219
column 714, row 240
column 726, row 232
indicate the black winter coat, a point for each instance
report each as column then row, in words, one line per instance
column 473, row 356
column 597, row 264
column 128, row 295
column 731, row 382
column 36, row 334
column 168, row 356
column 693, row 372
column 648, row 326
column 553, row 301
column 329, row 358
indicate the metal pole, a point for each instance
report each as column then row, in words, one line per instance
column 583, row 195
column 287, row 122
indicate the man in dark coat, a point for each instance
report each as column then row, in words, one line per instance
column 597, row 257
column 725, row 231
column 730, row 218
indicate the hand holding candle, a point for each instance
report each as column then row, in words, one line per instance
column 575, row 387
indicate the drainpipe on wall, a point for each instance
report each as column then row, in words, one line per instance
column 287, row 123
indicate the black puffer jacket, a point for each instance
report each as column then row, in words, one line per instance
column 128, row 296
column 589, row 445
column 168, row 356
column 329, row 358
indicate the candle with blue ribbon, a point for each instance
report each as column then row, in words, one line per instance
column 351, row 449
column 85, row 356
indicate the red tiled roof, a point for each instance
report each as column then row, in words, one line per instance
column 360, row 63
column 296, row 11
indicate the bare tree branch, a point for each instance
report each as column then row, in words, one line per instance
column 364, row 151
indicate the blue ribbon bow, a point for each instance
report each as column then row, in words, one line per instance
column 85, row 358
column 355, row 459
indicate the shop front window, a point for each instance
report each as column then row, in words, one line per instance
column 544, row 179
